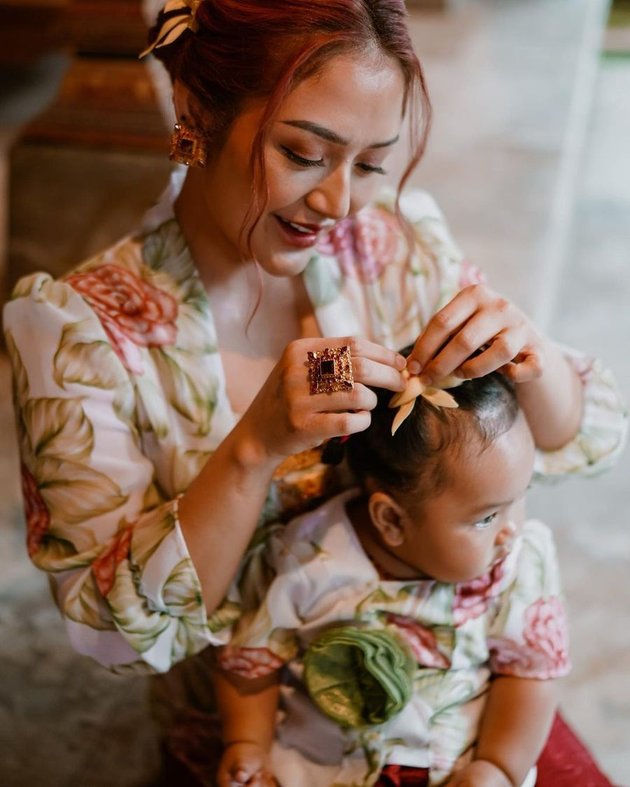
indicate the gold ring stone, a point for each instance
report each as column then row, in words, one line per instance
column 330, row 370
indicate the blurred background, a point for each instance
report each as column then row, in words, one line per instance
column 529, row 158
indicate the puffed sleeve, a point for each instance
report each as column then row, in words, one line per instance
column 96, row 522
column 529, row 636
column 444, row 271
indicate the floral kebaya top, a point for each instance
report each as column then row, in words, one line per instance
column 510, row 621
column 120, row 397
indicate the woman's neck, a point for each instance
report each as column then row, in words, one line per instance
column 389, row 564
column 217, row 260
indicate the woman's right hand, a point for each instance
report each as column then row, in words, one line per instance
column 285, row 418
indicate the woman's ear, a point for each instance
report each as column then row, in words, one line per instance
column 181, row 102
column 386, row 516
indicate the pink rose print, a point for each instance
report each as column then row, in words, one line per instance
column 507, row 657
column 104, row 567
column 420, row 639
column 249, row 662
column 133, row 312
column 546, row 630
column 470, row 274
column 473, row 598
column 363, row 244
column 544, row 653
column 35, row 511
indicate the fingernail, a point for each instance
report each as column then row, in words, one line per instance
column 401, row 362
column 413, row 366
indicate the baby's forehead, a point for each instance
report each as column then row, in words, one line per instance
column 490, row 463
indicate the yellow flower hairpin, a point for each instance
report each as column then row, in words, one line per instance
column 435, row 394
column 182, row 19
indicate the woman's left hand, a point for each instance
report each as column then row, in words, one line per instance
column 478, row 322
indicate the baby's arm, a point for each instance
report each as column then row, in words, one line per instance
column 513, row 732
column 247, row 707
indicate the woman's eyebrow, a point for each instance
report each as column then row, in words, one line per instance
column 332, row 136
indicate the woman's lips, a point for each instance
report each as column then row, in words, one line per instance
column 302, row 236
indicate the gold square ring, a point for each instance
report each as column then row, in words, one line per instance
column 330, row 370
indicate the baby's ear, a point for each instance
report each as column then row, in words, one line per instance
column 386, row 516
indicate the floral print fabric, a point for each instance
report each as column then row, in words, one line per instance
column 120, row 398
column 509, row 622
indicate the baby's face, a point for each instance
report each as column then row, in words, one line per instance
column 470, row 524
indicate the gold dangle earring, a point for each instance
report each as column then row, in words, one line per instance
column 187, row 146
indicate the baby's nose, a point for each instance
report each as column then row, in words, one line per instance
column 506, row 533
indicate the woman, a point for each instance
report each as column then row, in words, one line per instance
column 173, row 392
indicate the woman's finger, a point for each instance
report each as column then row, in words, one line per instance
column 328, row 425
column 444, row 324
column 359, row 398
column 376, row 374
column 528, row 367
column 359, row 348
column 481, row 332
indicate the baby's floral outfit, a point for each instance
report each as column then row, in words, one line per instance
column 511, row 621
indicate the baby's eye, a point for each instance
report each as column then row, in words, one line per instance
column 482, row 524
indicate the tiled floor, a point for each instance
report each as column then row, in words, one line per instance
column 64, row 721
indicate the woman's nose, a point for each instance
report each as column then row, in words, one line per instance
column 332, row 196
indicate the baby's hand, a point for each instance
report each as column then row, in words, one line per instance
column 479, row 773
column 245, row 764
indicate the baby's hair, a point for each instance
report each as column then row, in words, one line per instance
column 411, row 460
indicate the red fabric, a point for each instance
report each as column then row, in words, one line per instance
column 402, row 776
column 566, row 762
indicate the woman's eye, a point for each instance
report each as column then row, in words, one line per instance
column 370, row 169
column 482, row 524
column 300, row 160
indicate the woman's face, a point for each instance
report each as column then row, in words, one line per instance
column 325, row 155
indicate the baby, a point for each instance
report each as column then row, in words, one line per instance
column 414, row 627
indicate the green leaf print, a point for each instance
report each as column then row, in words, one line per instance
column 190, row 635
column 73, row 494
column 83, row 358
column 192, row 395
column 164, row 248
column 195, row 323
column 322, row 280
column 153, row 413
column 225, row 616
column 58, row 554
column 84, row 604
column 283, row 643
column 181, row 592
column 377, row 597
column 141, row 624
column 58, row 428
column 148, row 536
column 42, row 288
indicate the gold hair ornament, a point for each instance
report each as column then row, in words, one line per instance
column 183, row 18
column 434, row 394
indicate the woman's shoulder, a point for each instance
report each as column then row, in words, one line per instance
column 132, row 295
